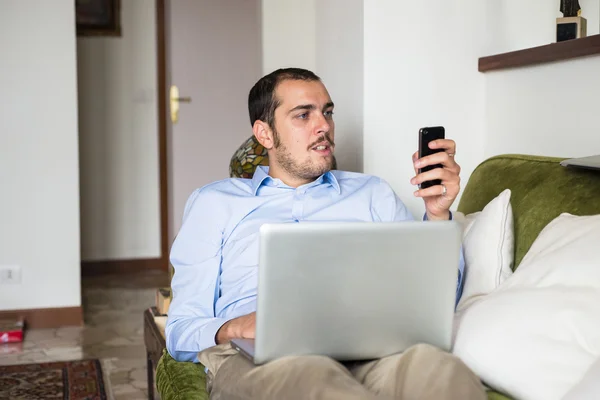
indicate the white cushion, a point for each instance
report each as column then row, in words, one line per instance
column 537, row 334
column 589, row 387
column 488, row 245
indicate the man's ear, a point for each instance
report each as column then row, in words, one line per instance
column 264, row 134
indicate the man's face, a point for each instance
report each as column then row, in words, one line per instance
column 303, row 130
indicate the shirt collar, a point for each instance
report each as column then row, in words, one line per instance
column 261, row 175
column 330, row 177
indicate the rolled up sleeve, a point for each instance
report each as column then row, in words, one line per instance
column 196, row 258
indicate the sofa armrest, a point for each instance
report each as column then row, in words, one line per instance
column 180, row 380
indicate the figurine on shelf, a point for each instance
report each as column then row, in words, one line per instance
column 570, row 8
column 572, row 25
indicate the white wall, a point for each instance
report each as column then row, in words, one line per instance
column 516, row 24
column 421, row 70
column 339, row 63
column 39, row 187
column 549, row 109
column 118, row 130
column 288, row 34
column 325, row 37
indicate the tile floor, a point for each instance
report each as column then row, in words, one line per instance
column 113, row 332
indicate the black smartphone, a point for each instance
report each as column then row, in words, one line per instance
column 426, row 135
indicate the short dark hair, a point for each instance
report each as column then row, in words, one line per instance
column 261, row 100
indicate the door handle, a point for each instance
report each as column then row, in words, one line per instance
column 174, row 101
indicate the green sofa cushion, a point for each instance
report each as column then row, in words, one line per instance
column 180, row 380
column 497, row 396
column 541, row 189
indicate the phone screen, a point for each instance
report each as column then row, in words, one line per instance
column 426, row 135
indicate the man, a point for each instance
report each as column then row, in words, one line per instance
column 215, row 256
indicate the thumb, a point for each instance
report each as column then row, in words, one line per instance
column 415, row 157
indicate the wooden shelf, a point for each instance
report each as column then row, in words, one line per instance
column 542, row 54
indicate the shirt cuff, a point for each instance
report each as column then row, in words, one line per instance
column 207, row 338
column 425, row 216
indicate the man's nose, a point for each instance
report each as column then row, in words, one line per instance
column 322, row 125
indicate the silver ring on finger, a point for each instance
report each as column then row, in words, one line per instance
column 444, row 190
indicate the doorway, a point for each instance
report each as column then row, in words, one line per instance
column 122, row 143
column 214, row 57
column 138, row 166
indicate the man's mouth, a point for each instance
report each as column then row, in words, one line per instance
column 323, row 148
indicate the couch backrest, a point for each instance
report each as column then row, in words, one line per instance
column 541, row 190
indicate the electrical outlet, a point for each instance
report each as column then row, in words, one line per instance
column 10, row 274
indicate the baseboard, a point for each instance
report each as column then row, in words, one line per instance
column 94, row 268
column 47, row 317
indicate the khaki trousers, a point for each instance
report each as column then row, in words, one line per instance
column 422, row 372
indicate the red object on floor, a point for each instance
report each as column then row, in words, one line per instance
column 11, row 331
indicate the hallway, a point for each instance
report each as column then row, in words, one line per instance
column 113, row 332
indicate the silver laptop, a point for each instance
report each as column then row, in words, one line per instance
column 591, row 162
column 354, row 291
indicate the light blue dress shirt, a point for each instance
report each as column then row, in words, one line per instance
column 215, row 254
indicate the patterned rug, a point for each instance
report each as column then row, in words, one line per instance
column 68, row 380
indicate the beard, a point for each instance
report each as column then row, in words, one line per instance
column 307, row 169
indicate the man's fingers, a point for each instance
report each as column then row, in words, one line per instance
column 249, row 326
column 449, row 174
column 438, row 190
column 437, row 158
column 448, row 145
column 436, row 173
column 415, row 157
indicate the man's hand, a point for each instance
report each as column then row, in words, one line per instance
column 439, row 198
column 243, row 327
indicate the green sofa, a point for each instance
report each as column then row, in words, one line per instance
column 541, row 190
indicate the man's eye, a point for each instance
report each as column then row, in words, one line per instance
column 303, row 116
column 328, row 113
